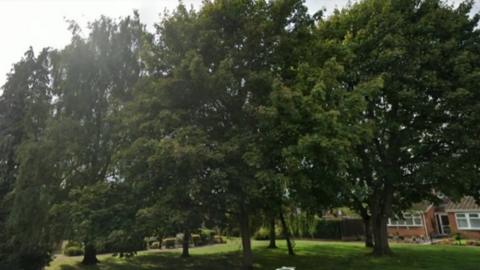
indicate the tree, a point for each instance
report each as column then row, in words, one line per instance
column 93, row 78
column 103, row 216
column 24, row 187
column 273, row 134
column 319, row 123
column 421, row 52
column 230, row 59
column 172, row 149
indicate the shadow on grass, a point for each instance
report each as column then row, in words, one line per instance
column 164, row 261
column 316, row 256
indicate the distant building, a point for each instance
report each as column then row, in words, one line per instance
column 425, row 221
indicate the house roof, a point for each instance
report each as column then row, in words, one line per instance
column 421, row 206
column 466, row 203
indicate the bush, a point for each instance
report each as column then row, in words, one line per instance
column 196, row 240
column 73, row 251
column 169, row 242
column 458, row 238
column 73, row 244
column 278, row 232
column 262, row 234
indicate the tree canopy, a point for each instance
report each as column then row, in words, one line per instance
column 239, row 112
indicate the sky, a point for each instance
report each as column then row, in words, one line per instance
column 42, row 23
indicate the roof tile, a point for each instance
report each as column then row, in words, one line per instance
column 466, row 203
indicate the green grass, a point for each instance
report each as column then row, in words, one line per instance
column 310, row 255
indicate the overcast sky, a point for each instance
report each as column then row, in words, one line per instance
column 41, row 23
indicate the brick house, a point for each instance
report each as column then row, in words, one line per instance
column 464, row 217
column 425, row 221
column 416, row 223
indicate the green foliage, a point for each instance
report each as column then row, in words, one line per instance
column 232, row 114
column 458, row 238
column 73, row 244
column 397, row 63
column 262, row 234
column 303, row 225
column 206, row 235
column 124, row 243
column 73, row 251
column 93, row 78
column 26, row 181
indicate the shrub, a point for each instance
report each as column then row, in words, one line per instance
column 73, row 251
column 278, row 232
column 196, row 240
column 155, row 245
column 262, row 234
column 458, row 238
column 73, row 244
column 169, row 242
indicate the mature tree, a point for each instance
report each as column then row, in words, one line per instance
column 24, row 183
column 318, row 120
column 93, row 79
column 424, row 53
column 170, row 152
column 273, row 134
column 219, row 66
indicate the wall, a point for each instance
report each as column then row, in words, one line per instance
column 409, row 232
column 469, row 234
column 406, row 232
column 430, row 221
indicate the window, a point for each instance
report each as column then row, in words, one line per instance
column 462, row 221
column 475, row 220
column 408, row 220
column 468, row 221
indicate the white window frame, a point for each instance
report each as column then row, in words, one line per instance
column 467, row 217
column 402, row 222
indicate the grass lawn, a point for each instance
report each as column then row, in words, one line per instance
column 310, row 255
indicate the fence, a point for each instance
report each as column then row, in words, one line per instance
column 335, row 229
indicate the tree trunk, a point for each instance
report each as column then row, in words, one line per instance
column 247, row 258
column 272, row 233
column 286, row 234
column 380, row 234
column 380, row 214
column 367, row 222
column 90, row 255
column 186, row 244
